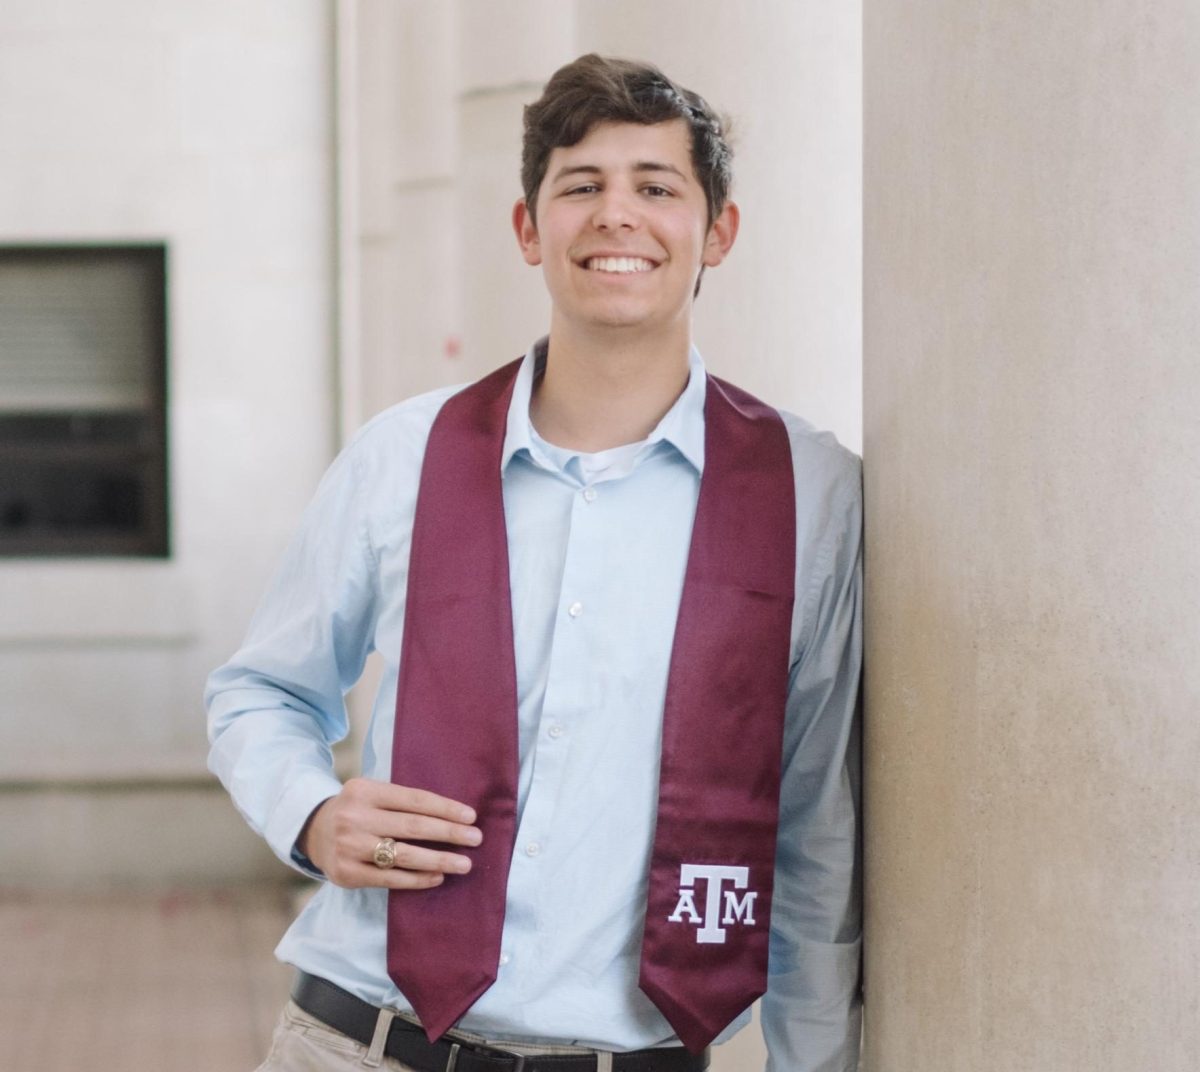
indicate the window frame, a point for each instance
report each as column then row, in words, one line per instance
column 149, row 455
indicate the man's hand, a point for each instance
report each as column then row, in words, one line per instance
column 341, row 834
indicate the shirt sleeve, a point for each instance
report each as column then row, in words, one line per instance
column 276, row 708
column 811, row 1013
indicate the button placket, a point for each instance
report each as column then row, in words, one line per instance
column 563, row 701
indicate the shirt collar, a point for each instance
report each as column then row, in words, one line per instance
column 682, row 425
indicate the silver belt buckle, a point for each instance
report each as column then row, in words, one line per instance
column 452, row 1060
column 518, row 1057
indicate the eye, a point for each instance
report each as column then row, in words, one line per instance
column 654, row 190
column 585, row 188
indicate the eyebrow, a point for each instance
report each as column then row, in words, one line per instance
column 640, row 166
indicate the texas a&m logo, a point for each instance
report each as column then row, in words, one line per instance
column 722, row 907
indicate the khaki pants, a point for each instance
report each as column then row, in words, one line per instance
column 303, row 1044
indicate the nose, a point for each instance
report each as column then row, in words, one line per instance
column 615, row 211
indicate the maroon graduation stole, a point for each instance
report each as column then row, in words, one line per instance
column 708, row 910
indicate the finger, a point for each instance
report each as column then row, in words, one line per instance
column 413, row 827
column 421, row 802
column 394, row 878
column 410, row 857
column 399, row 879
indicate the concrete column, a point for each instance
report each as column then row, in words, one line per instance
column 507, row 51
column 401, row 313
column 1032, row 191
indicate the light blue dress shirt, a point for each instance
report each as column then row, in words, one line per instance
column 597, row 547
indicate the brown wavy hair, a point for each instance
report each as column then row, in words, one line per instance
column 597, row 89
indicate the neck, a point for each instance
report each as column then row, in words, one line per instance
column 606, row 392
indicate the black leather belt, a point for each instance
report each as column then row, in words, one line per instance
column 452, row 1053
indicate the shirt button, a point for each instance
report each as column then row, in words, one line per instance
column 575, row 609
column 532, row 849
column 589, row 494
column 504, row 958
column 556, row 732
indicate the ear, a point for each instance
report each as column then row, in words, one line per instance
column 721, row 235
column 526, row 231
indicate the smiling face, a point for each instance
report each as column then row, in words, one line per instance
column 622, row 230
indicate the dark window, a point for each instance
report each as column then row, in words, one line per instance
column 83, row 445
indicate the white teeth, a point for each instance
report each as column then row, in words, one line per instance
column 619, row 264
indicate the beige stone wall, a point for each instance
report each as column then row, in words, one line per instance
column 1032, row 297
column 207, row 127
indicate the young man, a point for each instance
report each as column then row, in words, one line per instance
column 611, row 767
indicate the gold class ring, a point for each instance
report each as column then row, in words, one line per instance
column 385, row 854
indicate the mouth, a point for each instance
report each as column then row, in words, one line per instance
column 619, row 265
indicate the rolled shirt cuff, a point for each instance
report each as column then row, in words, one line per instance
column 298, row 801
